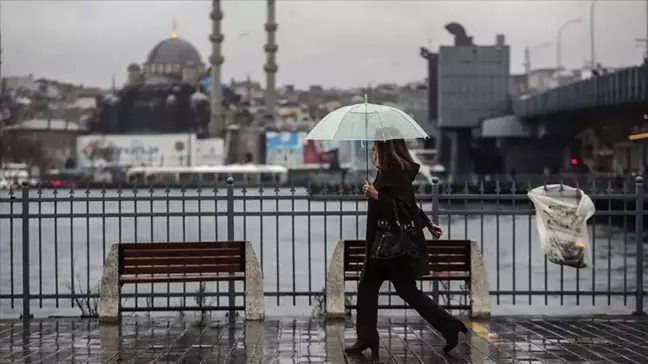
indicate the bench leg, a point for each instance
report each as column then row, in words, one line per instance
column 254, row 301
column 479, row 290
column 335, row 308
column 109, row 295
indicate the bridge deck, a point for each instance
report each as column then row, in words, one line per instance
column 404, row 340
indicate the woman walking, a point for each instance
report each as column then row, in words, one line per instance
column 391, row 203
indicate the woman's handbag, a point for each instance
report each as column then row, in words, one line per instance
column 397, row 241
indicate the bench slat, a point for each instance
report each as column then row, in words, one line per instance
column 187, row 245
column 437, row 258
column 182, row 278
column 198, row 260
column 170, row 269
column 434, row 267
column 436, row 276
column 177, row 253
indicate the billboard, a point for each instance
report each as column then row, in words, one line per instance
column 290, row 148
column 147, row 150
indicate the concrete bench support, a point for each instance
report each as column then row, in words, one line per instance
column 479, row 290
column 110, row 295
column 335, row 284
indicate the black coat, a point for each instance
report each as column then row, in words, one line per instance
column 396, row 184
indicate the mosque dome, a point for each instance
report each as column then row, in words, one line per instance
column 174, row 50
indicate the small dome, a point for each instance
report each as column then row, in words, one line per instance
column 133, row 67
column 171, row 99
column 174, row 50
column 199, row 96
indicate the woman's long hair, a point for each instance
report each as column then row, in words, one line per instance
column 392, row 153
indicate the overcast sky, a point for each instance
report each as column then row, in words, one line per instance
column 330, row 42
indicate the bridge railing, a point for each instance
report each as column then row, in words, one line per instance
column 53, row 244
column 623, row 86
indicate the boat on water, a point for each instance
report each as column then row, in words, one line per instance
column 243, row 174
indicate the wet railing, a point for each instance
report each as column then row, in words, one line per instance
column 53, row 244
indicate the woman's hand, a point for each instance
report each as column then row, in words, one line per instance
column 435, row 230
column 370, row 191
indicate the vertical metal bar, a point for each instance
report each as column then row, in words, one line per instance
column 309, row 245
column 56, row 253
column 73, row 285
column 277, row 250
column 25, row 252
column 497, row 240
column 135, row 239
column 530, row 239
column 627, row 215
column 40, row 247
column 639, row 236
column 167, row 192
column 183, row 205
column 514, row 241
column 292, row 240
column 435, row 219
column 11, row 248
column 199, row 193
column 87, row 226
column 230, row 237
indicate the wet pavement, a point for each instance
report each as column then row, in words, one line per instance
column 284, row 340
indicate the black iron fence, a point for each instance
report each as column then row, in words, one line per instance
column 53, row 244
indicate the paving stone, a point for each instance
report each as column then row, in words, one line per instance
column 141, row 339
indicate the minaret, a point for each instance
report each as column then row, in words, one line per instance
column 1, row 83
column 271, row 60
column 217, row 121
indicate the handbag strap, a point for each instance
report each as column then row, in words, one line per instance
column 396, row 214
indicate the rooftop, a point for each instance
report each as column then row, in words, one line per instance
column 404, row 339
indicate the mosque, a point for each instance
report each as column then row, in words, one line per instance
column 163, row 95
column 174, row 91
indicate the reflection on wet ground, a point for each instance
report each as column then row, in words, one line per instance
column 403, row 340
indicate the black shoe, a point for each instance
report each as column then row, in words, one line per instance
column 452, row 340
column 359, row 346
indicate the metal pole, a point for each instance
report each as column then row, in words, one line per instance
column 639, row 237
column 592, row 35
column 230, row 237
column 25, row 253
column 559, row 39
column 435, row 219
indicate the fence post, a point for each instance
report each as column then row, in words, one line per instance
column 435, row 219
column 230, row 237
column 639, row 236
column 26, row 291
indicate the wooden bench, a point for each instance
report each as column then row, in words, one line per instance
column 137, row 263
column 450, row 260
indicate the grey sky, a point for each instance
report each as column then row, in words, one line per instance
column 330, row 42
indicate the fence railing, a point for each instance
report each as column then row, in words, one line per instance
column 53, row 244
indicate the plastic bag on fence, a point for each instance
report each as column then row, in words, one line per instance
column 561, row 218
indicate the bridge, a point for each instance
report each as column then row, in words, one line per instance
column 583, row 126
column 627, row 87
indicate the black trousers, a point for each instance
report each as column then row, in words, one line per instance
column 401, row 273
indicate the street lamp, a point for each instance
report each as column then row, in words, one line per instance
column 592, row 41
column 559, row 39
